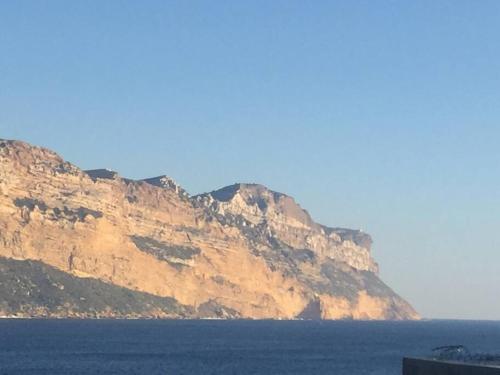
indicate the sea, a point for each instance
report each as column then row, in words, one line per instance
column 204, row 347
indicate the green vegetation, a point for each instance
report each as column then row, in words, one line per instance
column 33, row 288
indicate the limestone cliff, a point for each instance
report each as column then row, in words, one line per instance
column 146, row 248
column 275, row 220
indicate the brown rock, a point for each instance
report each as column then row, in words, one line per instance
column 242, row 251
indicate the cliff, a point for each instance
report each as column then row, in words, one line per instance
column 91, row 243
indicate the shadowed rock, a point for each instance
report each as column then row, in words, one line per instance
column 94, row 174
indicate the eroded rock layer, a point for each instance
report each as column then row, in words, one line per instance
column 243, row 251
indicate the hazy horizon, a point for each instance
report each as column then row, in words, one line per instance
column 375, row 116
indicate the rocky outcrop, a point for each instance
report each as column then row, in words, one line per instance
column 243, row 251
column 276, row 220
column 167, row 183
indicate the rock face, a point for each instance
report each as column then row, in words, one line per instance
column 275, row 220
column 91, row 243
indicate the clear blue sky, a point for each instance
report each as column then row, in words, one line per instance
column 380, row 115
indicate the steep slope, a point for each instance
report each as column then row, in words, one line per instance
column 242, row 251
column 31, row 288
column 275, row 219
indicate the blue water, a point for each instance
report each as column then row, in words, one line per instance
column 228, row 347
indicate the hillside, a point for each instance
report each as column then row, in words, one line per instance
column 91, row 243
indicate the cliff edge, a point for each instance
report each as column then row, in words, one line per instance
column 93, row 244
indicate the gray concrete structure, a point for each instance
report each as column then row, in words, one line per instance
column 416, row 366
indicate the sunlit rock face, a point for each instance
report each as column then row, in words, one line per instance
column 280, row 220
column 146, row 248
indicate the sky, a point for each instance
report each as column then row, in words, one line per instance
column 377, row 115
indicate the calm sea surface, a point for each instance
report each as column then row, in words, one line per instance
column 228, row 347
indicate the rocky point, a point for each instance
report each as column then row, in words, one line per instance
column 77, row 243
